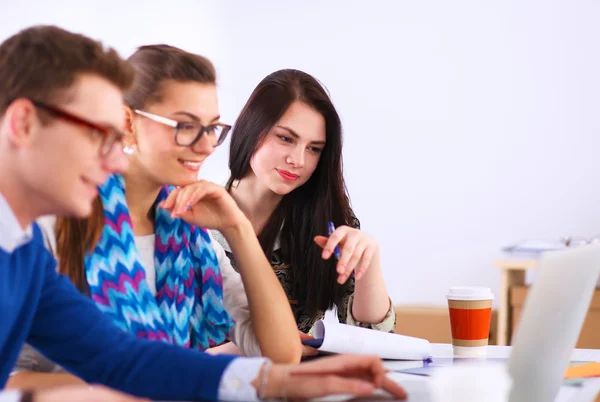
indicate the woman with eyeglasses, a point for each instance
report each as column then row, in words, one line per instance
column 286, row 175
column 147, row 265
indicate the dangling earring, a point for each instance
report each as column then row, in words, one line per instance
column 128, row 149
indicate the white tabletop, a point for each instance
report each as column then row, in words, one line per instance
column 445, row 350
column 417, row 386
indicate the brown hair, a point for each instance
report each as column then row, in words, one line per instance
column 42, row 62
column 306, row 211
column 74, row 238
column 153, row 65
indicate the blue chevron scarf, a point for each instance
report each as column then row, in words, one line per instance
column 188, row 307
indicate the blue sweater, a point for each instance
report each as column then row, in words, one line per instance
column 43, row 308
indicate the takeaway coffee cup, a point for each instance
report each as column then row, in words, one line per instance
column 470, row 315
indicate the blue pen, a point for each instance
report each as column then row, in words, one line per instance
column 336, row 252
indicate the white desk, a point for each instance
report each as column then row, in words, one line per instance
column 417, row 386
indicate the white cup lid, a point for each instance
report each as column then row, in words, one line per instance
column 470, row 293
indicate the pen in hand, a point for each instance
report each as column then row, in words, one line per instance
column 336, row 252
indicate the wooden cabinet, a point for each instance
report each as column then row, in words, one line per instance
column 589, row 338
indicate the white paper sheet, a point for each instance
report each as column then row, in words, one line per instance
column 342, row 338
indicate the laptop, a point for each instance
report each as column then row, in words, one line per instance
column 549, row 327
column 551, row 321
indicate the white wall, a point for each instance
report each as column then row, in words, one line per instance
column 468, row 125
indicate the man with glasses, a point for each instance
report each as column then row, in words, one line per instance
column 60, row 118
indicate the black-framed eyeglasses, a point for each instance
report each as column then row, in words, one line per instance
column 110, row 137
column 189, row 133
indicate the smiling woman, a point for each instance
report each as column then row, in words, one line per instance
column 184, row 290
column 291, row 154
column 286, row 175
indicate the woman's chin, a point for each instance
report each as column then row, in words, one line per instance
column 181, row 180
column 282, row 189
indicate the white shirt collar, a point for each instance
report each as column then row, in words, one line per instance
column 12, row 235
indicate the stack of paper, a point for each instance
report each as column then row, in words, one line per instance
column 333, row 337
column 535, row 246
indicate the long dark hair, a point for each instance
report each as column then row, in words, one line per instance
column 305, row 212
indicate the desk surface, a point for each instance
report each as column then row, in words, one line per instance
column 417, row 385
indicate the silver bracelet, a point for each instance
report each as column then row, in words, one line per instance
column 283, row 388
column 264, row 378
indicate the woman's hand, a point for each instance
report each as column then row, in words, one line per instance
column 307, row 350
column 204, row 204
column 357, row 251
